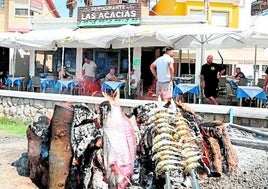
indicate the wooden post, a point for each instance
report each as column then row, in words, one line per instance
column 38, row 173
column 60, row 147
column 37, row 163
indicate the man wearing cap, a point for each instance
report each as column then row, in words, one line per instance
column 163, row 70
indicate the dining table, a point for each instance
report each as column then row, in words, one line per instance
column 113, row 85
column 45, row 82
column 14, row 81
column 251, row 92
column 64, row 83
column 183, row 79
column 186, row 88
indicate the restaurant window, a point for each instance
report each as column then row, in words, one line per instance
column 2, row 3
column 228, row 69
column 69, row 59
column 106, row 59
column 257, row 68
column 22, row 7
column 44, row 62
column 196, row 12
column 264, row 67
column 220, row 19
column 124, row 60
column 22, row 12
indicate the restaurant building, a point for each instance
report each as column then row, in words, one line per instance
column 221, row 13
column 16, row 16
column 160, row 14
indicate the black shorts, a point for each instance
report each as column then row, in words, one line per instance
column 211, row 91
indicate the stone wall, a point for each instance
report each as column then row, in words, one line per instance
column 25, row 109
column 28, row 106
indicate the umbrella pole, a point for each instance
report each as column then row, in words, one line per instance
column 180, row 60
column 62, row 59
column 13, row 63
column 189, row 64
column 202, row 62
column 255, row 63
column 129, row 62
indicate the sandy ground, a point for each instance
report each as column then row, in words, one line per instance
column 252, row 170
column 11, row 149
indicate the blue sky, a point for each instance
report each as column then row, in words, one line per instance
column 64, row 12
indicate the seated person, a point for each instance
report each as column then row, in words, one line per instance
column 238, row 74
column 111, row 76
column 64, row 74
column 133, row 80
column 96, row 88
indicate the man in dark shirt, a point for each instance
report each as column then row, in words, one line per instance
column 238, row 74
column 210, row 72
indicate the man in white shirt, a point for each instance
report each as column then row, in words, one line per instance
column 163, row 70
column 89, row 69
column 133, row 79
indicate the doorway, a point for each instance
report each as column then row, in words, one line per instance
column 147, row 57
column 4, row 63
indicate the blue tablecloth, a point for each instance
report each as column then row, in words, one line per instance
column 112, row 85
column 64, row 83
column 250, row 91
column 42, row 75
column 14, row 81
column 186, row 88
column 45, row 82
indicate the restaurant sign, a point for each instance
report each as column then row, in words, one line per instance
column 107, row 15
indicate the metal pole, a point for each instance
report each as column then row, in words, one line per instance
column 205, row 10
column 168, row 184
column 129, row 64
column 62, row 59
column 255, row 65
column 202, row 62
column 231, row 112
column 189, row 63
column 14, row 63
column 194, row 180
column 180, row 62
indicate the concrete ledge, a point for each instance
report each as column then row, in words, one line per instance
column 242, row 112
column 247, row 112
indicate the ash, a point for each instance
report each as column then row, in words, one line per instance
column 245, row 135
column 252, row 172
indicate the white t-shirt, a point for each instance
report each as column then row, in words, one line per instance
column 90, row 69
column 162, row 66
column 134, row 85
